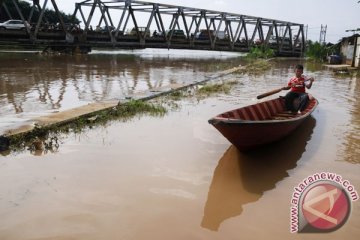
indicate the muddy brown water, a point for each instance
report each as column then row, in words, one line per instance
column 176, row 177
column 33, row 85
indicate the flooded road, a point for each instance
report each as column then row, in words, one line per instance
column 176, row 177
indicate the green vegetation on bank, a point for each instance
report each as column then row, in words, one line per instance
column 318, row 52
column 315, row 51
column 260, row 52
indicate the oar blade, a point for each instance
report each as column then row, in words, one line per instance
column 269, row 93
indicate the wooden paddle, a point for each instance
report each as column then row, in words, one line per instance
column 279, row 90
column 271, row 92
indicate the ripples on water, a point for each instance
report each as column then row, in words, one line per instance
column 45, row 84
column 61, row 82
column 32, row 85
column 338, row 96
column 147, row 171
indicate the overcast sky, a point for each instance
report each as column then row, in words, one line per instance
column 338, row 15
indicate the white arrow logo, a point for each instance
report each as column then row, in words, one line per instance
column 330, row 195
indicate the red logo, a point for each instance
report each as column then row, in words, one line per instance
column 325, row 207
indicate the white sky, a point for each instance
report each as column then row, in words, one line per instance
column 338, row 15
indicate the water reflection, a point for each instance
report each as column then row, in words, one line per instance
column 34, row 83
column 42, row 146
column 243, row 178
column 38, row 146
column 352, row 137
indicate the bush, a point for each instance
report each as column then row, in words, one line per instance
column 316, row 51
column 261, row 52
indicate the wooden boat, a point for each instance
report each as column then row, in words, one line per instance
column 261, row 123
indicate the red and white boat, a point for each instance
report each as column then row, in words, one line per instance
column 261, row 123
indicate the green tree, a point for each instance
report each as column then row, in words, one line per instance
column 317, row 51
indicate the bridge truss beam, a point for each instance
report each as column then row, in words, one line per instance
column 158, row 25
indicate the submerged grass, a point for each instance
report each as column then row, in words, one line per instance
column 46, row 137
column 200, row 91
column 210, row 89
column 177, row 95
column 221, row 66
column 197, row 92
column 256, row 67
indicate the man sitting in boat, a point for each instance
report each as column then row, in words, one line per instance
column 297, row 85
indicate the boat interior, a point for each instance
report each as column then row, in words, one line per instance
column 268, row 110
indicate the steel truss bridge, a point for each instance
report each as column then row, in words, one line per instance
column 138, row 24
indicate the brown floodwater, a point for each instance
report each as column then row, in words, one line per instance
column 32, row 85
column 176, row 177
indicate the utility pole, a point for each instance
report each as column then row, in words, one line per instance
column 323, row 34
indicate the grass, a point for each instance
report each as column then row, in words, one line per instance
column 177, row 95
column 213, row 88
column 47, row 137
column 199, row 91
column 220, row 66
column 258, row 66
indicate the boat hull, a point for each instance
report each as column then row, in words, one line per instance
column 259, row 124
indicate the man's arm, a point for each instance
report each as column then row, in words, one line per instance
column 309, row 85
column 288, row 86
